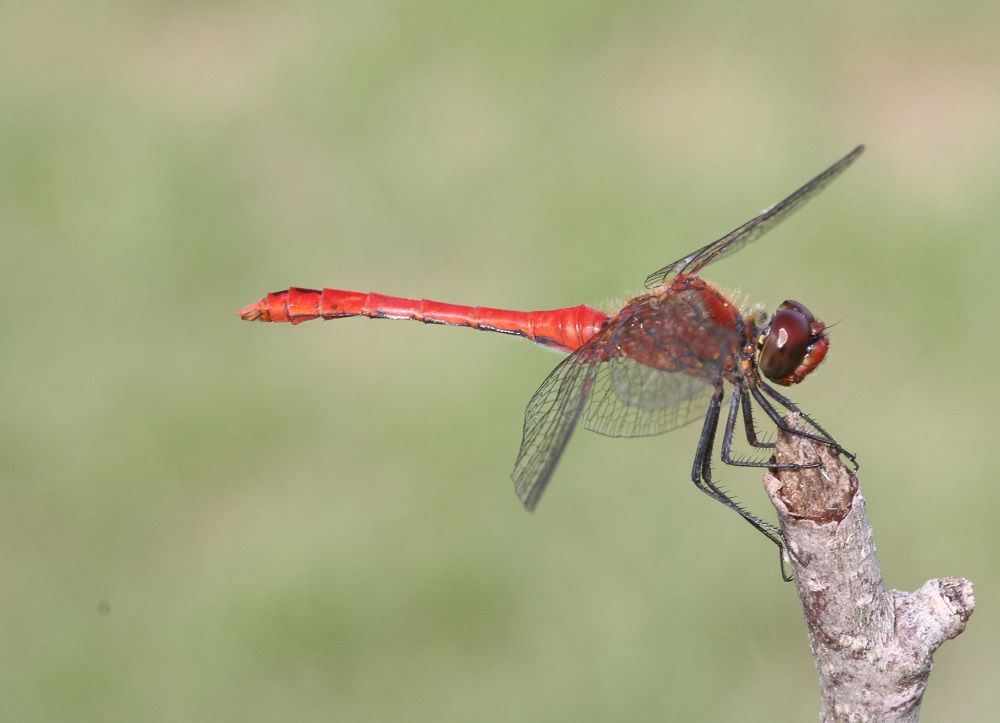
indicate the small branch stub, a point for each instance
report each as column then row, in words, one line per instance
column 873, row 648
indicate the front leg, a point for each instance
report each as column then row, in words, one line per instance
column 780, row 422
column 748, row 422
column 793, row 407
column 741, row 398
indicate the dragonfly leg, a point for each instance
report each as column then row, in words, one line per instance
column 735, row 402
column 748, row 422
column 780, row 422
column 793, row 407
column 701, row 473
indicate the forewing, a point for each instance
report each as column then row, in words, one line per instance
column 629, row 399
column 549, row 420
column 755, row 227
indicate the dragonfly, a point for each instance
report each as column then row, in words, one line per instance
column 664, row 360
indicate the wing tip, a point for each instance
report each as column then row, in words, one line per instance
column 529, row 498
column 849, row 158
column 529, row 494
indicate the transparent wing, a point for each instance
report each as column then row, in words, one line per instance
column 550, row 418
column 755, row 227
column 629, row 399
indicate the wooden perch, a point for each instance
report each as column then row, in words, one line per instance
column 873, row 648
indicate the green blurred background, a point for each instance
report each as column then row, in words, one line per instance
column 205, row 519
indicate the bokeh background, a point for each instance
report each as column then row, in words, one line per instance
column 204, row 519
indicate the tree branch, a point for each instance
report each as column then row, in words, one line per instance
column 872, row 647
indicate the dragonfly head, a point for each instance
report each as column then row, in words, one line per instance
column 792, row 344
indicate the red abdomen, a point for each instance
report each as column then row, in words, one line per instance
column 567, row 329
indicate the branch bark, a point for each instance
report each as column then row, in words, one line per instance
column 873, row 648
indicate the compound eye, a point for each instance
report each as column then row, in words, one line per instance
column 787, row 342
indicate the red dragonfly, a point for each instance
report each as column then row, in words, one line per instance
column 660, row 362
